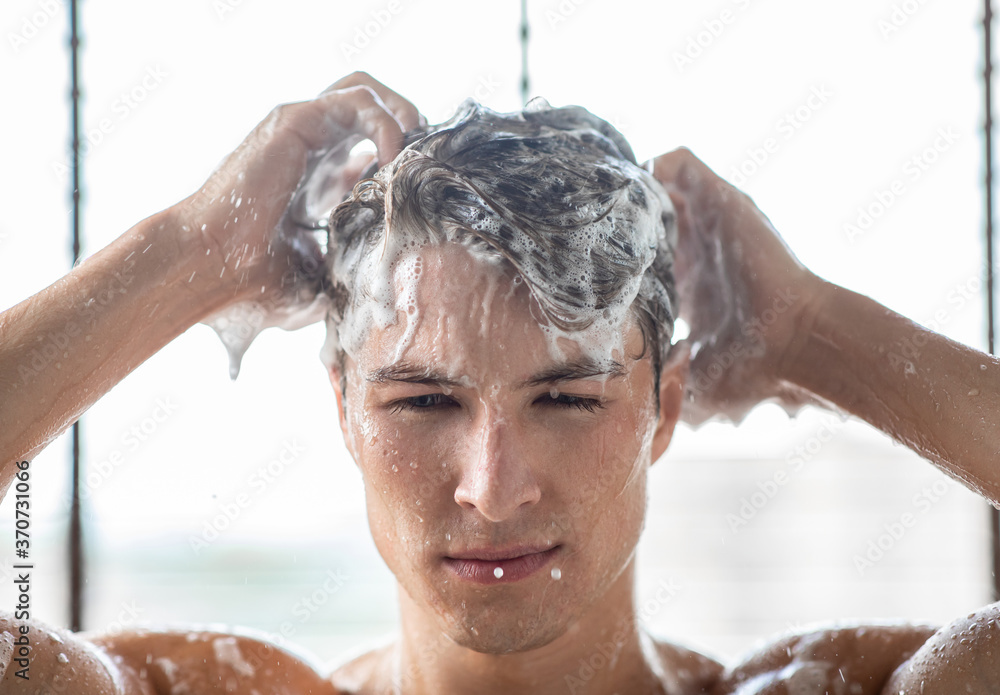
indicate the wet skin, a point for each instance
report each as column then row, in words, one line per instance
column 481, row 447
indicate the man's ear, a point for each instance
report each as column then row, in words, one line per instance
column 335, row 381
column 672, row 379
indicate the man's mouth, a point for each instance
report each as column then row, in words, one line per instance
column 499, row 565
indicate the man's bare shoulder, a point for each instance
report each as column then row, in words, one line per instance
column 200, row 660
column 36, row 658
column 855, row 659
column 151, row 662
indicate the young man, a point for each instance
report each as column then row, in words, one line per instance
column 503, row 298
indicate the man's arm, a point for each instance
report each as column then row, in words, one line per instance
column 789, row 336
column 104, row 318
column 938, row 397
column 210, row 251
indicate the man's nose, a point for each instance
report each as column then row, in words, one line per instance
column 496, row 477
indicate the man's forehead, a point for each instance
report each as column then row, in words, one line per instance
column 460, row 316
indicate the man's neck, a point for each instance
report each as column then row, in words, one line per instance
column 601, row 652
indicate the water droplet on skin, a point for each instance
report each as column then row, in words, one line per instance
column 62, row 658
column 498, row 572
column 395, row 468
column 982, row 367
column 974, row 392
column 556, row 573
column 413, row 465
column 447, row 536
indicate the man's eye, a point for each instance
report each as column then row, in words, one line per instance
column 425, row 402
column 563, row 400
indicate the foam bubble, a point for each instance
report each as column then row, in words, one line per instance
column 297, row 302
column 565, row 259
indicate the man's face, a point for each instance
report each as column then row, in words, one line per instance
column 505, row 482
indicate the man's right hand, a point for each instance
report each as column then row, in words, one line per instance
column 234, row 230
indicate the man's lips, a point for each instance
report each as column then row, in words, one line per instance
column 514, row 564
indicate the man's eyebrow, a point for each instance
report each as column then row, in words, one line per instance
column 578, row 369
column 411, row 374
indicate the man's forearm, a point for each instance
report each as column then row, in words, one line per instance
column 939, row 397
column 65, row 347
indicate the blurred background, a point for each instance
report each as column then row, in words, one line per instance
column 854, row 125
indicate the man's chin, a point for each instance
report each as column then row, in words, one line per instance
column 506, row 630
column 505, row 636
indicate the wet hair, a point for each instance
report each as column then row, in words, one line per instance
column 554, row 192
